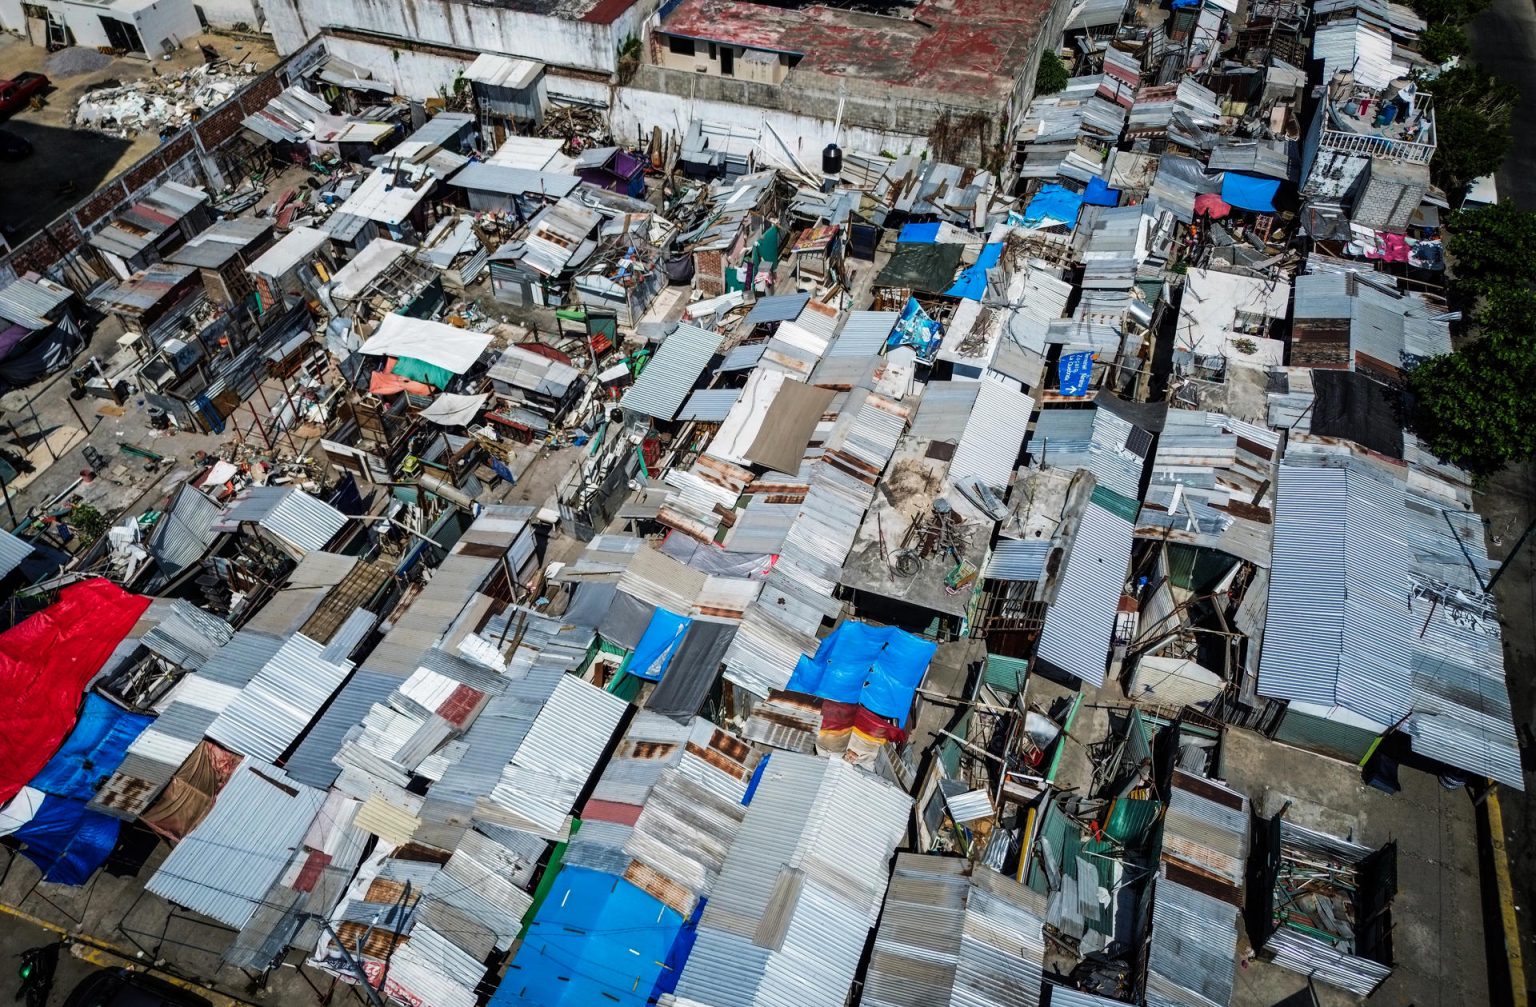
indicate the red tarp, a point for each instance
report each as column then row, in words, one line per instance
column 45, row 663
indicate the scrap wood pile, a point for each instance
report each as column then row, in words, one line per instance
column 160, row 103
column 580, row 126
column 1315, row 894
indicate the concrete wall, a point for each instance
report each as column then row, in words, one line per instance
column 11, row 18
column 167, row 22
column 417, row 75
column 191, row 156
column 766, row 68
column 228, row 13
column 472, row 28
column 635, row 110
column 802, row 110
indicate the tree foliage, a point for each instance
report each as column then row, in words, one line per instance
column 1448, row 12
column 1474, row 407
column 1473, row 111
column 1440, row 42
column 1491, row 245
column 1052, row 75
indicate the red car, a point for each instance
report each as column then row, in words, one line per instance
column 19, row 90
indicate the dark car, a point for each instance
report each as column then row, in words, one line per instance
column 13, row 147
column 126, row 988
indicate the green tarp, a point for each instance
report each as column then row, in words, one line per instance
column 420, row 370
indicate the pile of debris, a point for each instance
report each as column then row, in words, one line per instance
column 159, row 103
column 582, row 127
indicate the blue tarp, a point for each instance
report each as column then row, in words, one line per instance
column 597, row 939
column 917, row 329
column 67, row 842
column 654, row 651
column 93, row 750
column 1099, row 193
column 1248, row 193
column 918, row 234
column 876, row 667
column 972, row 282
column 1053, row 205
column 1075, row 371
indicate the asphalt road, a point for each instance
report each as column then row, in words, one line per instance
column 1504, row 41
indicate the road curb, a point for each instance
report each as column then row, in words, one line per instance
column 1513, row 956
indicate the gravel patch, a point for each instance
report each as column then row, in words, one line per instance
column 75, row 61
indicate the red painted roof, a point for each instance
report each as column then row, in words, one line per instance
column 610, row 811
column 958, row 47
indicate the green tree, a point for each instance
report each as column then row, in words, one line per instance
column 1439, row 42
column 1493, row 246
column 1469, row 145
column 1474, row 407
column 1052, row 75
column 1448, row 12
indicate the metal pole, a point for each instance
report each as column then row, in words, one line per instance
column 354, row 965
column 41, row 436
column 5, row 491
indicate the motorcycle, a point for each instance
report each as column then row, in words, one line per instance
column 38, row 966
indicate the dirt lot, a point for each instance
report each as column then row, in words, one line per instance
column 33, row 191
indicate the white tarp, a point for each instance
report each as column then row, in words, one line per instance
column 440, row 345
column 449, row 410
column 20, row 810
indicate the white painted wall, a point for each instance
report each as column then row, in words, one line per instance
column 10, row 17
column 228, row 13
column 471, row 27
column 416, row 75
column 635, row 112
column 173, row 21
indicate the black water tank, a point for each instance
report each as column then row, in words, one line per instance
column 832, row 160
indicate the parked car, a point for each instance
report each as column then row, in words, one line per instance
column 13, row 147
column 19, row 91
column 126, row 988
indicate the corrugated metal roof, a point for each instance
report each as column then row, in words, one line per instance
column 1081, row 622
column 743, row 357
column 185, row 531
column 789, row 916
column 951, row 933
column 1093, row 439
column 291, row 514
column 669, row 376
column 994, row 434
column 505, row 180
column 1018, row 559
column 29, row 303
column 552, row 765
column 710, row 405
column 311, row 760
column 225, row 866
column 776, row 308
column 280, row 701
column 1193, row 955
column 13, row 552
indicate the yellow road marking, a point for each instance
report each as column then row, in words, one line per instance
column 1512, row 951
column 101, row 953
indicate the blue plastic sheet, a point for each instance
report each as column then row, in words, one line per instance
column 876, row 667
column 1248, row 193
column 597, row 939
column 1099, row 193
column 67, row 842
column 1053, row 205
column 918, row 234
column 1075, row 371
column 972, row 282
column 917, row 329
column 654, row 651
column 93, row 750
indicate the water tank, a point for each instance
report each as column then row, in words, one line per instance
column 832, row 160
